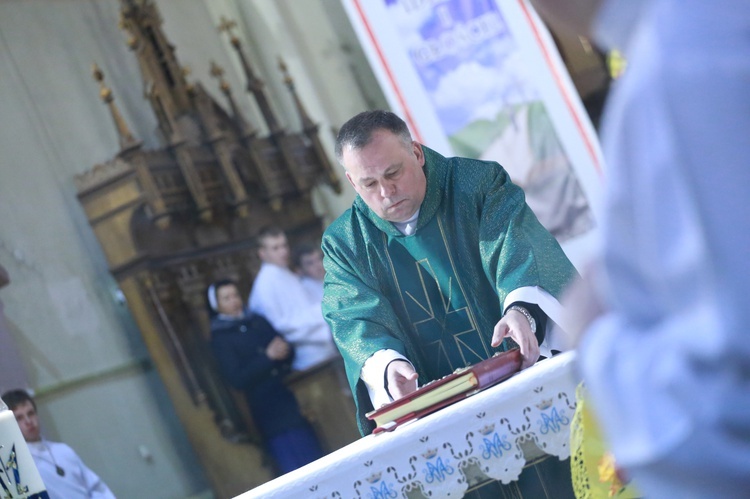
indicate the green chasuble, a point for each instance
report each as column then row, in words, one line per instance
column 436, row 295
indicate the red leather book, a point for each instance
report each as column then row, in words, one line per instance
column 447, row 390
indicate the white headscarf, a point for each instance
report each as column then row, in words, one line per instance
column 212, row 298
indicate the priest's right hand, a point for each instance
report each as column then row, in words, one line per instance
column 278, row 349
column 401, row 379
column 516, row 326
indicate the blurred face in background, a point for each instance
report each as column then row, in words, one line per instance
column 275, row 250
column 311, row 265
column 28, row 421
column 228, row 301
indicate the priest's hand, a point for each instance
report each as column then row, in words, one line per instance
column 401, row 379
column 515, row 325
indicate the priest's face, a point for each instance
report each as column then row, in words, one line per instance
column 388, row 174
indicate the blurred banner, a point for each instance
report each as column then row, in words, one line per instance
column 483, row 79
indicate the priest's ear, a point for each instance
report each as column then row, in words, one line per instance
column 418, row 152
column 349, row 178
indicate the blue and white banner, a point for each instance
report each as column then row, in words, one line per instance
column 483, row 79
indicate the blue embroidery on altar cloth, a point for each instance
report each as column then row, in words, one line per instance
column 553, row 422
column 496, row 446
column 438, row 470
column 382, row 492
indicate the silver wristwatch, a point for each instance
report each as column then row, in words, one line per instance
column 526, row 314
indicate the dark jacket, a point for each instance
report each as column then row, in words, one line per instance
column 239, row 346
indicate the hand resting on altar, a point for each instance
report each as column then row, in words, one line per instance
column 516, row 326
column 401, row 379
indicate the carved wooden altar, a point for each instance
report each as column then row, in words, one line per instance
column 173, row 219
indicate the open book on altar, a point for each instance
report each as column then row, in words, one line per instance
column 447, row 390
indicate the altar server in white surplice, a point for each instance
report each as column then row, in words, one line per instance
column 62, row 471
column 667, row 365
column 279, row 295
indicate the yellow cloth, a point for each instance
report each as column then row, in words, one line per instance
column 593, row 468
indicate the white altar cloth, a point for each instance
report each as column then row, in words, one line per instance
column 436, row 453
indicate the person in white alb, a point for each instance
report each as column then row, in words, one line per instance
column 279, row 296
column 667, row 363
column 62, row 471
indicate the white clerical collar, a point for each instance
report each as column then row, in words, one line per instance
column 407, row 227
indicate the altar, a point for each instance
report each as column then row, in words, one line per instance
column 490, row 435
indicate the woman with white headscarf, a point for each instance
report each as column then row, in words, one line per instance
column 253, row 358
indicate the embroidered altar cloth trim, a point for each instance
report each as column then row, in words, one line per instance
column 486, row 430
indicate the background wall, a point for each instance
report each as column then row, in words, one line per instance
column 79, row 347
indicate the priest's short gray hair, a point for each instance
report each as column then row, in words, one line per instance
column 357, row 132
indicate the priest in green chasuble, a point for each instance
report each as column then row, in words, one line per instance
column 435, row 264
